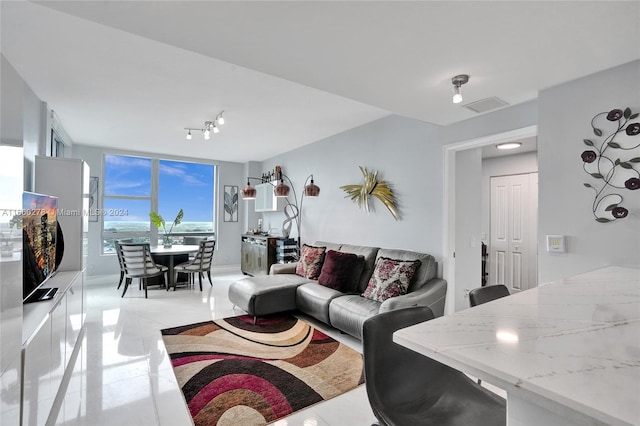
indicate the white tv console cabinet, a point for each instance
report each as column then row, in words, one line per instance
column 51, row 330
column 51, row 334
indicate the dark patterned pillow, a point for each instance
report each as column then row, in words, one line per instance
column 390, row 278
column 341, row 271
column 310, row 262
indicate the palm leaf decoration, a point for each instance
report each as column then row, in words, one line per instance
column 372, row 187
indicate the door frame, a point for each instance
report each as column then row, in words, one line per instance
column 448, row 205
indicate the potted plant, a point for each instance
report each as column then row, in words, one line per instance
column 158, row 221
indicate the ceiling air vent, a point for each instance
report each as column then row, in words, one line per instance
column 487, row 104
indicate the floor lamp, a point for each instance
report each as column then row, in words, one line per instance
column 293, row 211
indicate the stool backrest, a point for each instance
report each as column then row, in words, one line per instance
column 481, row 295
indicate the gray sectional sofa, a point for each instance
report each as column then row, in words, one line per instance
column 282, row 290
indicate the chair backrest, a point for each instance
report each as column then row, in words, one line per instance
column 188, row 241
column 136, row 259
column 392, row 372
column 118, row 252
column 204, row 257
column 481, row 295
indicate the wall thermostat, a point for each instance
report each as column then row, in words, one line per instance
column 556, row 244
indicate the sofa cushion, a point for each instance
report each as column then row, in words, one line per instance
column 428, row 266
column 391, row 277
column 369, row 254
column 266, row 294
column 310, row 263
column 329, row 245
column 348, row 313
column 314, row 299
column 341, row 271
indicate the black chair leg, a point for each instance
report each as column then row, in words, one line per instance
column 209, row 275
column 200, row 280
column 127, row 281
column 121, row 279
column 144, row 284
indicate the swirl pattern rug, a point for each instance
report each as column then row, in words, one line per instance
column 233, row 372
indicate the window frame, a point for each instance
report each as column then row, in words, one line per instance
column 153, row 234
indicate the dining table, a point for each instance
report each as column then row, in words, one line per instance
column 566, row 353
column 171, row 252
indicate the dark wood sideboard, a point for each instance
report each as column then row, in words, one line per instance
column 258, row 253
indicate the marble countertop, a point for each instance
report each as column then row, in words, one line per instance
column 571, row 344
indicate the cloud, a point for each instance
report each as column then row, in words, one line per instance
column 124, row 161
column 182, row 172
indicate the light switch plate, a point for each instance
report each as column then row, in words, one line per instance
column 556, row 244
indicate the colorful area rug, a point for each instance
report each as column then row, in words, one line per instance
column 233, row 372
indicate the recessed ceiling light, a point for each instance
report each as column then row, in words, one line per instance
column 509, row 145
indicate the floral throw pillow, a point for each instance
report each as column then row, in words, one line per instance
column 310, row 263
column 390, row 278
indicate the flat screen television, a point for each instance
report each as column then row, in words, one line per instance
column 39, row 237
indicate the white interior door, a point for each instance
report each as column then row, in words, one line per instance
column 513, row 224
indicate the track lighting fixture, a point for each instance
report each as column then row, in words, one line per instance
column 209, row 126
column 458, row 81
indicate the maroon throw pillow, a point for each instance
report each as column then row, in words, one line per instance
column 341, row 271
column 390, row 278
column 310, row 262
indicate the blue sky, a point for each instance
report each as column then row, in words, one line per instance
column 187, row 186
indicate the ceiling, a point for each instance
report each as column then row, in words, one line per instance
column 133, row 74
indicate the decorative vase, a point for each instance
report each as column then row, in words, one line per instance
column 166, row 240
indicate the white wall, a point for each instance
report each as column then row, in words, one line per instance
column 13, row 124
column 468, row 199
column 227, row 233
column 407, row 154
column 565, row 113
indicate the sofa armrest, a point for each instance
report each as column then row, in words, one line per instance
column 432, row 294
column 283, row 268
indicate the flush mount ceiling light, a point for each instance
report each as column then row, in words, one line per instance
column 458, row 81
column 509, row 145
column 209, row 126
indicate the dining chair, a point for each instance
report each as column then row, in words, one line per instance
column 408, row 388
column 481, row 295
column 116, row 243
column 138, row 263
column 201, row 263
column 192, row 241
column 189, row 241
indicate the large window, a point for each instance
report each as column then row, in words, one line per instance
column 186, row 186
column 135, row 186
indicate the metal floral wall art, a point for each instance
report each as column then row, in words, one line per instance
column 614, row 162
column 371, row 186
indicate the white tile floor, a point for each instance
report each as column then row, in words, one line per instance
column 122, row 375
